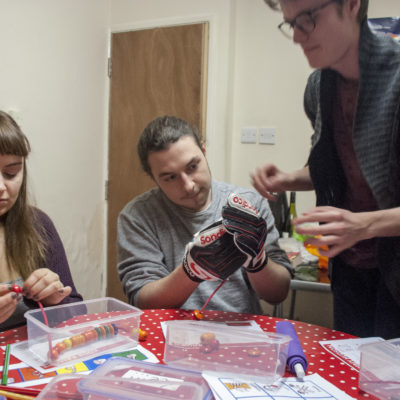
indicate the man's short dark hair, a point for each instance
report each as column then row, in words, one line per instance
column 160, row 133
column 362, row 12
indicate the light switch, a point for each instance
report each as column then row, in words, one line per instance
column 267, row 135
column 249, row 134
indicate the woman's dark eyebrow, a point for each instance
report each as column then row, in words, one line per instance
column 13, row 164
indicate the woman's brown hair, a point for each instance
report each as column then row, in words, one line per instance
column 24, row 244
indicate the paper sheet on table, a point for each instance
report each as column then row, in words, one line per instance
column 250, row 324
column 30, row 360
column 347, row 350
column 311, row 387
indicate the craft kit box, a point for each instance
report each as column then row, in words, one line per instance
column 226, row 350
column 77, row 331
column 126, row 379
column 380, row 369
column 62, row 387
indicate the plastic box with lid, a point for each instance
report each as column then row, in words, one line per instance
column 124, row 379
column 80, row 330
column 380, row 369
column 62, row 387
column 233, row 351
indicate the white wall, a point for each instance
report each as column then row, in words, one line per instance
column 270, row 76
column 383, row 8
column 53, row 74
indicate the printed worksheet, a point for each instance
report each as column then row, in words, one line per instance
column 312, row 387
column 22, row 374
column 347, row 350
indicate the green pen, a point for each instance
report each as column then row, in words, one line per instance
column 4, row 378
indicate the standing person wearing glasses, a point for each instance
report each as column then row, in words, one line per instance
column 353, row 103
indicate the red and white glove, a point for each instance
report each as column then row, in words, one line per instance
column 243, row 221
column 212, row 255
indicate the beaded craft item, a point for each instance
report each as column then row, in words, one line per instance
column 99, row 333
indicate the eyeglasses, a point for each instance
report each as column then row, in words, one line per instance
column 305, row 21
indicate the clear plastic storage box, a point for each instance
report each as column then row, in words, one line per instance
column 231, row 351
column 62, row 387
column 380, row 369
column 125, row 379
column 80, row 330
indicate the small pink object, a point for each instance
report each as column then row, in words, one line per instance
column 16, row 289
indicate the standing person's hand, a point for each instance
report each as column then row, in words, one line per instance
column 8, row 302
column 45, row 286
column 269, row 179
column 338, row 229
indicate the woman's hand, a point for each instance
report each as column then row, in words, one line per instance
column 268, row 179
column 8, row 302
column 45, row 286
column 338, row 229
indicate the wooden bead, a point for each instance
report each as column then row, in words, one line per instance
column 142, row 335
column 98, row 331
column 60, row 347
column 16, row 289
column 81, row 339
column 108, row 330
column 139, row 333
column 110, row 326
column 197, row 315
column 207, row 338
column 68, row 343
column 90, row 336
column 54, row 354
column 103, row 331
column 77, row 340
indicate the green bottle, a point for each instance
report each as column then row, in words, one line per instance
column 292, row 213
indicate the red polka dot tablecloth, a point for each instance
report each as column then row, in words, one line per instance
column 319, row 360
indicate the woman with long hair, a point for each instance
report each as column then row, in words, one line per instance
column 32, row 255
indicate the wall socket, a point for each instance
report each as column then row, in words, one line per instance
column 249, row 134
column 267, row 135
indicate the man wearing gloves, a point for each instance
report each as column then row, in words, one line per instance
column 179, row 240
